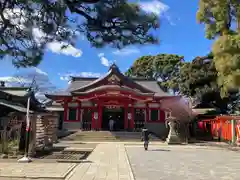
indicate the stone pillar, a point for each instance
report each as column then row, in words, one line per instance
column 47, row 126
column 233, row 127
column 39, row 132
column 55, row 128
column 32, row 138
column 172, row 135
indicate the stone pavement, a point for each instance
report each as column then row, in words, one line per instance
column 107, row 162
column 184, row 163
column 41, row 171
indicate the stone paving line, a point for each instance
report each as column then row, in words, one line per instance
column 107, row 162
column 63, row 142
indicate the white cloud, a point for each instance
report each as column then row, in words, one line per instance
column 39, row 71
column 126, row 51
column 38, row 35
column 25, row 76
column 58, row 47
column 16, row 17
column 154, row 6
column 100, row 54
column 105, row 61
column 158, row 8
column 66, row 77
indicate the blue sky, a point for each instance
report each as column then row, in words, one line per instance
column 179, row 33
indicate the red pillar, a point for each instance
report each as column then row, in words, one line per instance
column 65, row 106
column 132, row 118
column 126, row 116
column 147, row 113
column 162, row 115
column 79, row 112
column 93, row 119
column 99, row 116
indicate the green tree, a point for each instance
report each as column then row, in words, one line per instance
column 198, row 79
column 163, row 67
column 26, row 26
column 222, row 22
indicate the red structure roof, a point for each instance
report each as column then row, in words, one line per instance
column 114, row 81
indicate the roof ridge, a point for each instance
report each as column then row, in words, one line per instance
column 14, row 88
column 74, row 78
column 142, row 79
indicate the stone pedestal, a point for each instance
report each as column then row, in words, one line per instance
column 172, row 136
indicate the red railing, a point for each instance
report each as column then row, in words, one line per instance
column 221, row 127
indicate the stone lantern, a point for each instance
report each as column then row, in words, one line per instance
column 173, row 137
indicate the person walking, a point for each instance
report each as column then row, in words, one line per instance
column 111, row 124
column 145, row 137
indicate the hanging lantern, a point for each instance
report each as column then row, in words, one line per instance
column 95, row 115
column 129, row 116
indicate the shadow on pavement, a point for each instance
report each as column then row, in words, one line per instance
column 166, row 150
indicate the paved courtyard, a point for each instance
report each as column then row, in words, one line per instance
column 107, row 162
column 40, row 171
column 116, row 161
column 184, row 163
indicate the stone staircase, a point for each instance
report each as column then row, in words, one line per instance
column 102, row 136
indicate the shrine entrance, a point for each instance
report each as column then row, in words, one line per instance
column 115, row 113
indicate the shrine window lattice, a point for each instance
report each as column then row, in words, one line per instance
column 139, row 119
column 87, row 119
column 154, row 115
column 72, row 114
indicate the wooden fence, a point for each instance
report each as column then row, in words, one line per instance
column 222, row 127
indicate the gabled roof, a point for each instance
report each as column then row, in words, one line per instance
column 15, row 91
column 82, row 85
column 15, row 106
column 113, row 71
column 16, row 96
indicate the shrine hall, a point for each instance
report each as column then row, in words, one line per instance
column 90, row 103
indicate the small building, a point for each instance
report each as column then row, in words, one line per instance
column 89, row 103
column 57, row 108
column 13, row 109
column 14, row 99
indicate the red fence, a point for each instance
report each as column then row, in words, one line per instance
column 220, row 127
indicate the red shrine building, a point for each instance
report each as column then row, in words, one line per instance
column 89, row 103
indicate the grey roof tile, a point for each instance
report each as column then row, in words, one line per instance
column 80, row 83
column 76, row 84
column 15, row 106
column 153, row 86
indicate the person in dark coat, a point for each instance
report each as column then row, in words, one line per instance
column 145, row 137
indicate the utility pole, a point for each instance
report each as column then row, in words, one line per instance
column 26, row 158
